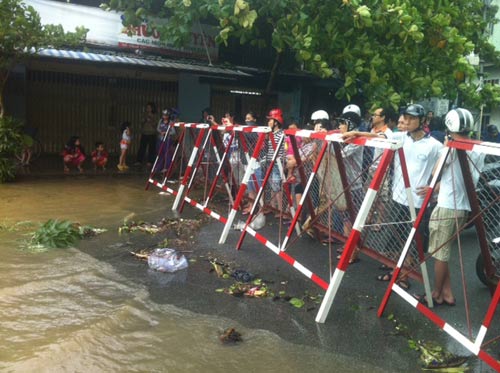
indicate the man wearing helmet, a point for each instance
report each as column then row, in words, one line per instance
column 321, row 120
column 421, row 153
column 352, row 156
column 452, row 205
column 164, row 146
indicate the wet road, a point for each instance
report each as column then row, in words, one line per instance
column 95, row 308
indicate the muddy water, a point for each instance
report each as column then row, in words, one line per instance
column 68, row 311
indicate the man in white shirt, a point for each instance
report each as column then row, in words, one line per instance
column 421, row 153
column 380, row 127
column 452, row 205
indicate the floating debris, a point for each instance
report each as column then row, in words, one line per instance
column 60, row 234
column 133, row 226
column 242, row 275
column 167, row 260
column 181, row 227
column 140, row 255
column 436, row 357
column 89, row 231
column 432, row 355
column 17, row 226
column 230, row 335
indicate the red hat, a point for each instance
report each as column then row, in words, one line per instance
column 276, row 114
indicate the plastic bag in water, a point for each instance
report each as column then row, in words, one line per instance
column 167, row 260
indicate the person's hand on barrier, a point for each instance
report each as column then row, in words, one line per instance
column 422, row 191
column 347, row 136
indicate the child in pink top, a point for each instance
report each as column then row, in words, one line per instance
column 99, row 156
column 73, row 154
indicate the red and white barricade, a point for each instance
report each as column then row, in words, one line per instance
column 274, row 193
column 188, row 134
column 330, row 185
column 220, row 161
column 484, row 199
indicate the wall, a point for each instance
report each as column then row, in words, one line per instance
column 193, row 97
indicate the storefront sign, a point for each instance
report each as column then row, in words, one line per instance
column 106, row 29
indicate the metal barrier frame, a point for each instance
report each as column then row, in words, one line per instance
column 473, row 346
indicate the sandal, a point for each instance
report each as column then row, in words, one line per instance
column 385, row 277
column 351, row 261
column 404, row 284
column 422, row 299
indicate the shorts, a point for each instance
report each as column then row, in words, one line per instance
column 442, row 226
column 255, row 180
column 123, row 145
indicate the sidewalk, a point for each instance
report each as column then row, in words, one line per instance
column 51, row 165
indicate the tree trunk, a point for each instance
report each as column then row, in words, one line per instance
column 4, row 75
column 273, row 73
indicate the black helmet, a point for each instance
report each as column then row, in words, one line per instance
column 492, row 129
column 166, row 112
column 415, row 110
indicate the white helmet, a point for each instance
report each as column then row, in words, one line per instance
column 352, row 109
column 351, row 115
column 319, row 114
column 459, row 120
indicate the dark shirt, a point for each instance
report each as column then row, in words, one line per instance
column 491, row 138
column 438, row 135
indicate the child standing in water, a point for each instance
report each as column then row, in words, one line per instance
column 73, row 154
column 99, row 156
column 124, row 145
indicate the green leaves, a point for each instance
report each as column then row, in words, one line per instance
column 296, row 302
column 21, row 31
column 11, row 140
column 387, row 52
column 56, row 234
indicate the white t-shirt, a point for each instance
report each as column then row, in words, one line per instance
column 452, row 194
column 420, row 156
column 387, row 133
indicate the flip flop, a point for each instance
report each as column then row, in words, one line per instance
column 384, row 267
column 449, row 304
column 421, row 299
column 385, row 277
column 403, row 284
column 351, row 261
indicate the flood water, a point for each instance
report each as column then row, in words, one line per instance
column 65, row 310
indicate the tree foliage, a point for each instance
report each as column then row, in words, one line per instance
column 22, row 34
column 10, row 143
column 389, row 51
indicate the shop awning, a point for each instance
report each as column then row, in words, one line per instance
column 146, row 62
